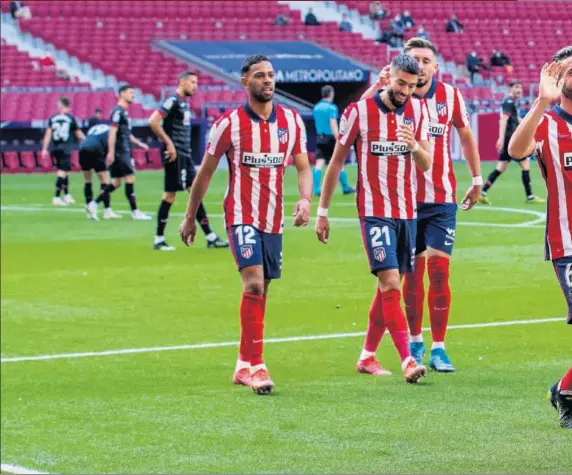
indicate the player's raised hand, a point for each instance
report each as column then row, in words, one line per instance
column 170, row 153
column 550, row 81
column 302, row 213
column 471, row 197
column 405, row 134
column 188, row 230
column 323, row 229
column 383, row 78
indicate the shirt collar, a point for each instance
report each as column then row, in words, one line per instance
column 562, row 113
column 383, row 107
column 430, row 92
column 255, row 117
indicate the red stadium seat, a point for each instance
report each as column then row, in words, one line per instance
column 155, row 159
column 28, row 160
column 10, row 159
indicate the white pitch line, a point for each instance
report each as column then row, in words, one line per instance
column 540, row 217
column 6, row 467
column 198, row 346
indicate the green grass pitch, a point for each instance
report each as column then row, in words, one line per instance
column 70, row 285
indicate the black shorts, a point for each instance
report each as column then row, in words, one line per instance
column 179, row 175
column 505, row 157
column 63, row 160
column 325, row 147
column 122, row 167
column 92, row 160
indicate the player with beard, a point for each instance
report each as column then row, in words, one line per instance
column 175, row 133
column 256, row 138
column 509, row 120
column 390, row 135
column 436, row 203
column 548, row 134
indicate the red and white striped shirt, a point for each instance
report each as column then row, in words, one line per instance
column 386, row 180
column 256, row 150
column 446, row 109
column 554, row 152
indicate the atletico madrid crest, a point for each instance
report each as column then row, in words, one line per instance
column 442, row 108
column 246, row 252
column 379, row 254
column 283, row 136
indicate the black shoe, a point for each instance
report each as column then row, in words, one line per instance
column 163, row 246
column 563, row 404
column 350, row 190
column 218, row 242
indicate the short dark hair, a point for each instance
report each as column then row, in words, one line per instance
column 251, row 61
column 98, row 111
column 514, row 82
column 64, row 101
column 405, row 63
column 418, row 43
column 124, row 88
column 563, row 54
column 186, row 74
column 327, row 90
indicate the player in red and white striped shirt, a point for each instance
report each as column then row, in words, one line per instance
column 436, row 204
column 549, row 136
column 390, row 135
column 257, row 138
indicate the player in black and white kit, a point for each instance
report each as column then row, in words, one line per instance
column 59, row 133
column 119, row 160
column 92, row 155
column 175, row 133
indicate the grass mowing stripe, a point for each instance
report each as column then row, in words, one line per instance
column 198, row 346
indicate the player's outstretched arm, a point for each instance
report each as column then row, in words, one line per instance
column 522, row 143
column 135, row 141
column 471, row 154
column 381, row 82
column 46, row 142
column 155, row 122
column 201, row 183
column 302, row 208
column 328, row 187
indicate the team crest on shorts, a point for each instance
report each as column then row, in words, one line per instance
column 379, row 254
column 283, row 136
column 246, row 252
column 442, row 108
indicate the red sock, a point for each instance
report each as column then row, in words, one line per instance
column 376, row 327
column 251, row 307
column 395, row 320
column 414, row 296
column 566, row 382
column 439, row 296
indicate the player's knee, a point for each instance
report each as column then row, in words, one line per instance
column 388, row 283
column 169, row 197
column 254, row 286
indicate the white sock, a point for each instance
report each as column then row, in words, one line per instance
column 416, row 338
column 254, row 369
column 241, row 365
column 159, row 239
column 211, row 237
column 366, row 354
column 438, row 344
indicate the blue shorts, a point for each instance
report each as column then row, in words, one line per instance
column 252, row 247
column 563, row 268
column 436, row 226
column 389, row 243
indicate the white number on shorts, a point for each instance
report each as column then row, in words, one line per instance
column 376, row 233
column 568, row 275
column 245, row 235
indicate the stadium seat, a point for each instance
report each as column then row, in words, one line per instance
column 28, row 160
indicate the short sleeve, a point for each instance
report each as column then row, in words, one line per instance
column 74, row 124
column 219, row 137
column 422, row 132
column 301, row 138
column 349, row 125
column 115, row 118
column 460, row 112
column 507, row 107
column 167, row 106
column 333, row 112
column 50, row 123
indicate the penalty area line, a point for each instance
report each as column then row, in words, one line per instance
column 198, row 346
column 8, row 468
